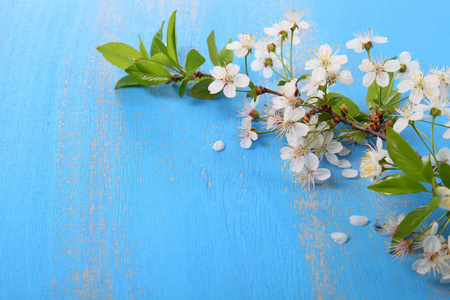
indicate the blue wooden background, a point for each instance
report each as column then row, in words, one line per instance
column 117, row 193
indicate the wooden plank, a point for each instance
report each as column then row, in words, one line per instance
column 118, row 194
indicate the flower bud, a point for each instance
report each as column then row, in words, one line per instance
column 367, row 46
column 403, row 68
column 268, row 62
column 372, row 117
column 271, row 47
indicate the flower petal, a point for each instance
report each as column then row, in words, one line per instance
column 339, row 237
column 368, row 79
column 216, row 86
column 383, row 79
column 241, row 80
column 349, row 173
column 230, row 90
column 358, row 220
column 404, row 57
column 218, row 146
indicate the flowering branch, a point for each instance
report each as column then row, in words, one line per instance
column 317, row 124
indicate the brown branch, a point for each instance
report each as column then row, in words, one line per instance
column 263, row 90
column 179, row 77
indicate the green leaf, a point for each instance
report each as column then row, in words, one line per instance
column 404, row 155
column 182, row 88
column 172, row 37
column 281, row 82
column 427, row 171
column 359, row 136
column 126, row 81
column 444, row 174
column 373, row 95
column 162, row 48
column 411, row 222
column 200, row 90
column 397, row 184
column 225, row 55
column 162, row 59
column 119, row 54
column 194, row 60
column 158, row 36
column 353, row 109
column 433, row 204
column 148, row 73
column 142, row 48
column 212, row 48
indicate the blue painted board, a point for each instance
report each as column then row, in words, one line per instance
column 117, row 193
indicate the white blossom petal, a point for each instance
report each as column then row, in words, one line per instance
column 339, row 237
column 218, row 146
column 358, row 220
column 349, row 173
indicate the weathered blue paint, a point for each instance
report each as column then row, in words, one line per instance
column 118, row 194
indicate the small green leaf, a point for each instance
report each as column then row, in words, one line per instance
column 142, row 48
column 212, row 48
column 404, row 155
column 433, row 204
column 373, row 95
column 182, row 88
column 411, row 222
column 194, row 60
column 303, row 77
column 119, row 54
column 225, row 55
column 158, row 36
column 397, row 184
column 148, row 73
column 200, row 90
column 126, row 81
column 427, row 171
column 172, row 37
column 162, row 48
column 162, row 59
column 359, row 136
column 281, row 82
column 444, row 174
column 353, row 109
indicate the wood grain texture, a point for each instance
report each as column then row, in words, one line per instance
column 118, row 194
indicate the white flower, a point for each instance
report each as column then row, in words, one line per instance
column 329, row 148
column 291, row 125
column 326, row 59
column 419, row 85
column 378, row 70
column 358, row 220
column 248, row 108
column 295, row 153
column 406, row 65
column 274, row 119
column 370, row 164
column 339, row 237
column 227, row 79
column 345, row 77
column 246, row 134
column 218, row 146
column 364, row 40
column 243, row 46
column 443, row 156
column 294, row 19
column 265, row 61
column 400, row 249
column 430, row 231
column 289, row 98
column 349, row 173
column 444, row 193
column 407, row 114
column 311, row 174
column 268, row 44
column 444, row 79
column 432, row 259
column 282, row 31
column 437, row 104
column 446, row 134
column 390, row 226
column 314, row 81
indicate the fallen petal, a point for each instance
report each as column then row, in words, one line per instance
column 344, row 164
column 359, row 220
column 349, row 173
column 218, row 146
column 339, row 237
column 344, row 151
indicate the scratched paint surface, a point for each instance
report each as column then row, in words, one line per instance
column 118, row 194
